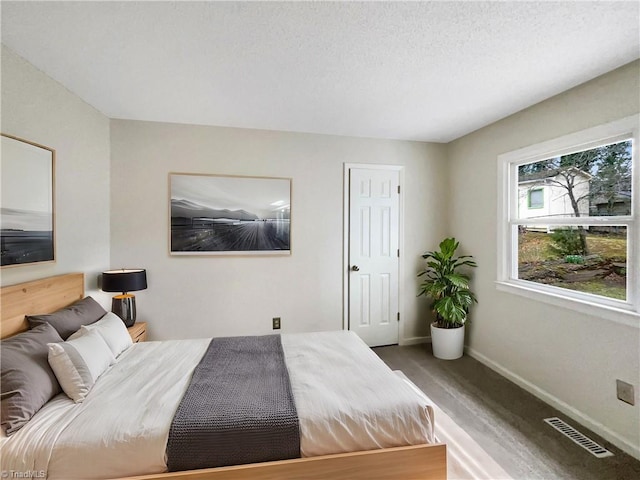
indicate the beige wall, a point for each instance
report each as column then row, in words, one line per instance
column 569, row 359
column 213, row 296
column 39, row 109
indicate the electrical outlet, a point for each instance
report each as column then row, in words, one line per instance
column 276, row 323
column 625, row 392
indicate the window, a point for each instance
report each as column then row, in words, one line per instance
column 536, row 198
column 569, row 220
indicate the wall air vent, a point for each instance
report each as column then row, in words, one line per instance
column 579, row 438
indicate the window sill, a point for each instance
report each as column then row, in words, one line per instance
column 617, row 315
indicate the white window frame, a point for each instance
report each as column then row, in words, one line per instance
column 626, row 312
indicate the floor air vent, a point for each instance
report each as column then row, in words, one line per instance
column 579, row 438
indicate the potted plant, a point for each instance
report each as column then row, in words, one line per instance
column 449, row 289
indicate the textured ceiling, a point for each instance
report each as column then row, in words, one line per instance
column 430, row 71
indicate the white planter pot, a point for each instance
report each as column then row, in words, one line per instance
column 447, row 343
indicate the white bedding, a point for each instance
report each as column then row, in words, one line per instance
column 347, row 400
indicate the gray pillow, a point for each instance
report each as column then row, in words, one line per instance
column 27, row 380
column 68, row 320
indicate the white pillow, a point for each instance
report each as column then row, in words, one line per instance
column 112, row 330
column 79, row 362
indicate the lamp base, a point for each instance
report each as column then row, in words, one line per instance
column 124, row 306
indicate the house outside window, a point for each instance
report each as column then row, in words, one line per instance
column 569, row 226
column 540, row 181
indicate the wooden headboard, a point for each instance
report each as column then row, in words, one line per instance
column 36, row 297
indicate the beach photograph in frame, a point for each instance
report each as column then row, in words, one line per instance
column 26, row 202
column 229, row 215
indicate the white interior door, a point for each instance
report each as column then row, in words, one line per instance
column 373, row 263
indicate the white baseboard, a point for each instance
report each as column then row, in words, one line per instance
column 597, row 427
column 414, row 340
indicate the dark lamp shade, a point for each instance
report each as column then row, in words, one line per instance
column 125, row 280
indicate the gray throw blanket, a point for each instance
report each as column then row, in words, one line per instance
column 238, row 409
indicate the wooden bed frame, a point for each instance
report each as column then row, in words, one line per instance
column 425, row 462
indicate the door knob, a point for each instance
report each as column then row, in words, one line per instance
column 355, row 268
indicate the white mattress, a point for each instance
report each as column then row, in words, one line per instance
column 347, row 400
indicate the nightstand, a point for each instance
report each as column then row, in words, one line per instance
column 138, row 332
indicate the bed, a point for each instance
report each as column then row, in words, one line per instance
column 61, row 432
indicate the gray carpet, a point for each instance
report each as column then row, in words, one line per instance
column 506, row 420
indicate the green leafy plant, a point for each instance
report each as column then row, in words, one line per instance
column 567, row 241
column 577, row 259
column 446, row 285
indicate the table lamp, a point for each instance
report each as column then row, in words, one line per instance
column 125, row 280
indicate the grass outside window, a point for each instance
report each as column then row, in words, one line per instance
column 602, row 272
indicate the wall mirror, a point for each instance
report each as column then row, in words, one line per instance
column 26, row 202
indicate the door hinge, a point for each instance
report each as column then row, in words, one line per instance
column 398, row 253
column 398, row 189
column 398, row 316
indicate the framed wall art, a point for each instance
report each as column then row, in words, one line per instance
column 229, row 215
column 26, row 203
